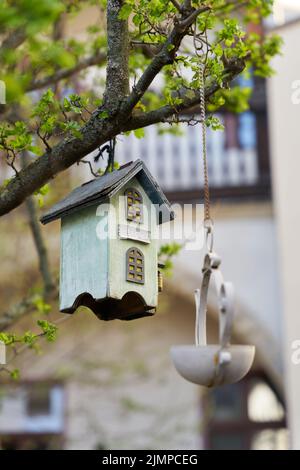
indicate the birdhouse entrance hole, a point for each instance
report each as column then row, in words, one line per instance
column 130, row 307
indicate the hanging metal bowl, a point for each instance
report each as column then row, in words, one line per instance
column 214, row 364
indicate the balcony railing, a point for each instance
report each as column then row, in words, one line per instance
column 238, row 160
column 236, row 166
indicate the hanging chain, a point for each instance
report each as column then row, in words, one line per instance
column 199, row 51
column 207, row 218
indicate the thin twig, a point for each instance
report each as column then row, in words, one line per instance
column 18, row 351
column 44, row 140
column 192, row 121
column 96, row 59
column 91, row 167
column 190, row 19
column 176, row 5
column 11, row 163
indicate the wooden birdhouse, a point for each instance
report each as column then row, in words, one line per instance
column 109, row 243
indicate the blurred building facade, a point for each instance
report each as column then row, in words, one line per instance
column 284, row 112
column 117, row 378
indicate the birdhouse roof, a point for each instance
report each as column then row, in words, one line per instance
column 102, row 188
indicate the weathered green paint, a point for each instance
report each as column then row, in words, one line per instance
column 84, row 257
column 97, row 265
column 117, row 283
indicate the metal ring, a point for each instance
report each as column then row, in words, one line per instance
column 209, row 240
column 208, row 223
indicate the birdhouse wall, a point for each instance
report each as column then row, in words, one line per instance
column 119, row 246
column 84, row 257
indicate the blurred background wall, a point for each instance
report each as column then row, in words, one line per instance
column 112, row 385
column 284, row 112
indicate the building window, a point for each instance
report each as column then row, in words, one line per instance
column 134, row 205
column 245, row 416
column 38, row 400
column 38, row 411
column 135, row 266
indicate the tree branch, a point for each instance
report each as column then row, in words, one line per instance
column 13, row 40
column 60, row 157
column 98, row 131
column 187, row 5
column 191, row 18
column 96, row 59
column 176, row 5
column 164, row 57
column 94, row 133
column 40, row 246
column 17, row 311
column 232, row 70
column 24, row 307
column 38, row 238
column 117, row 76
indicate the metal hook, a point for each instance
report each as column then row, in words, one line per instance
column 225, row 297
column 208, row 225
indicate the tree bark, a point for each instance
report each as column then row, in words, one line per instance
column 39, row 245
column 70, row 150
column 117, row 75
column 99, row 130
column 13, row 40
column 39, row 242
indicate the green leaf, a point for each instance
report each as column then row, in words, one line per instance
column 35, row 149
column 73, row 127
column 15, row 374
column 43, row 190
column 4, row 337
column 39, row 303
column 103, row 114
column 29, row 338
column 6, row 182
column 190, row 94
column 125, row 11
column 214, row 123
column 139, row 133
column 49, row 329
column 8, row 338
column 165, row 255
column 41, row 193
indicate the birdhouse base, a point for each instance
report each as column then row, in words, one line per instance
column 130, row 307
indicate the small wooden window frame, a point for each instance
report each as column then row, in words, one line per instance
column 135, row 266
column 134, row 205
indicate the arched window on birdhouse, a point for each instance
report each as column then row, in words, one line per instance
column 134, row 205
column 135, row 266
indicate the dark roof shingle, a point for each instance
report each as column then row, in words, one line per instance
column 100, row 189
